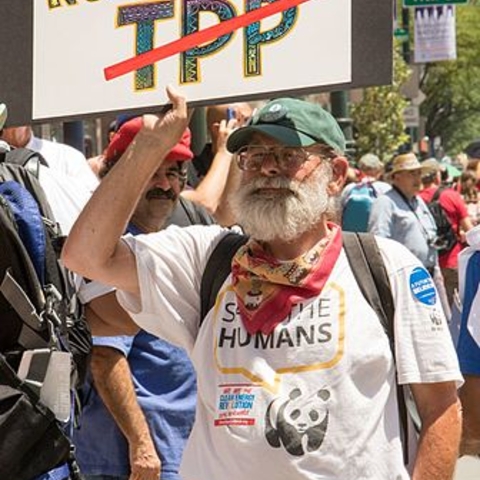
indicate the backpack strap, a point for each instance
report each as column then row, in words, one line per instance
column 189, row 210
column 371, row 185
column 9, row 377
column 436, row 198
column 217, row 269
column 17, row 173
column 27, row 158
column 29, row 222
column 437, row 194
column 372, row 278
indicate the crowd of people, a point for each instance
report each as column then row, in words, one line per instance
column 290, row 374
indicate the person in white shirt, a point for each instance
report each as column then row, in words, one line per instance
column 296, row 379
column 65, row 195
column 60, row 157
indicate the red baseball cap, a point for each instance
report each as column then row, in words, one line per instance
column 126, row 133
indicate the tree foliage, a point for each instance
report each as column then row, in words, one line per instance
column 452, row 88
column 378, row 119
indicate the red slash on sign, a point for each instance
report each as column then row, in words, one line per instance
column 198, row 38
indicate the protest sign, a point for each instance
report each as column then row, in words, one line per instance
column 83, row 58
column 435, row 34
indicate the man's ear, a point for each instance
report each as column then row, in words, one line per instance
column 339, row 175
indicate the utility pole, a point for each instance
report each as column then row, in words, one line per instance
column 339, row 109
column 406, row 28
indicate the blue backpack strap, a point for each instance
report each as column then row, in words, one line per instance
column 29, row 221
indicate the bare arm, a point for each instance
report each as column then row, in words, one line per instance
column 112, row 377
column 106, row 317
column 212, row 191
column 470, row 397
column 93, row 247
column 440, row 413
column 466, row 224
column 224, row 214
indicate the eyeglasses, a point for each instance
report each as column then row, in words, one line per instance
column 250, row 158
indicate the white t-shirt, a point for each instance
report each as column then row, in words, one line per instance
column 315, row 399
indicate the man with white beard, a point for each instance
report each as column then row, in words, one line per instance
column 300, row 383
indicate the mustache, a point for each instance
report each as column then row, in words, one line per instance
column 278, row 182
column 159, row 194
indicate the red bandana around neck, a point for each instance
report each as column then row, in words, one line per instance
column 267, row 288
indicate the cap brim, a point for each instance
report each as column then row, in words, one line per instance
column 287, row 136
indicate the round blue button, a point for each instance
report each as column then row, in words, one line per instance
column 422, row 286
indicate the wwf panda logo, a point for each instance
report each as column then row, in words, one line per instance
column 300, row 424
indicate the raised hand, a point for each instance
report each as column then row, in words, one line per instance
column 225, row 128
column 169, row 126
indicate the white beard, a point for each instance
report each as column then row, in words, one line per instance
column 287, row 215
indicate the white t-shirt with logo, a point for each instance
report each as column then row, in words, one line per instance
column 316, row 398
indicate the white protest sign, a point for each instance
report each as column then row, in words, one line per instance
column 435, row 34
column 75, row 59
column 75, row 42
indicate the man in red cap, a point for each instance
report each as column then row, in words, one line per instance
column 141, row 398
column 161, row 203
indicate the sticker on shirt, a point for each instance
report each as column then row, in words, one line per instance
column 299, row 422
column 235, row 405
column 422, row 286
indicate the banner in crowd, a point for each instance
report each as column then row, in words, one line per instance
column 435, row 34
column 89, row 57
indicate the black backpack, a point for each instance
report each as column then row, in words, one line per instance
column 33, row 441
column 446, row 236
column 38, row 311
column 35, row 294
column 372, row 278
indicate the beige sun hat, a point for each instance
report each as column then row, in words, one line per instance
column 404, row 162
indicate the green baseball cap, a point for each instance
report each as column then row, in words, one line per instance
column 293, row 122
column 3, row 115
